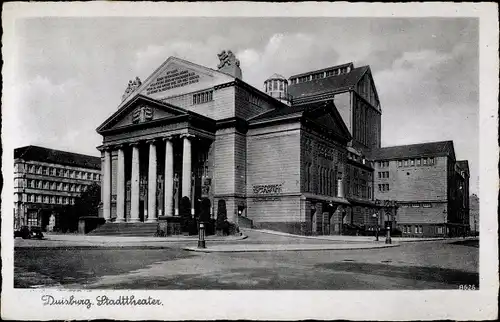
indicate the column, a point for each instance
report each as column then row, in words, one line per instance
column 120, row 189
column 186, row 167
column 134, row 211
column 106, row 195
column 169, row 176
column 152, row 182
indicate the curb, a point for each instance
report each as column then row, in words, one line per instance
column 159, row 240
column 394, row 239
column 298, row 249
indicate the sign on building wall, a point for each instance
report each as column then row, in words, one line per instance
column 268, row 188
column 172, row 79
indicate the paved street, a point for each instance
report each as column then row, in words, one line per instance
column 415, row 265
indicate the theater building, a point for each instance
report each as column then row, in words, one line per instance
column 430, row 186
column 189, row 130
column 47, row 180
column 303, row 155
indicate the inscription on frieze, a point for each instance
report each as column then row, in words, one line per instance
column 172, row 79
column 267, row 189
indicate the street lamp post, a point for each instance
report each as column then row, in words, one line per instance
column 377, row 228
column 201, row 236
column 388, row 237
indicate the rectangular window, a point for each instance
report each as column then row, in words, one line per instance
column 418, row 161
column 400, row 163
column 439, row 230
column 431, row 161
column 386, row 187
column 426, row 205
column 412, row 162
column 406, row 163
column 415, row 205
column 32, row 218
column 44, row 171
column 424, row 161
column 201, row 98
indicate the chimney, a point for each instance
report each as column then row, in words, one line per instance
column 229, row 64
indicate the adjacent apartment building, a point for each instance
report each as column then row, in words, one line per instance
column 46, row 180
column 429, row 185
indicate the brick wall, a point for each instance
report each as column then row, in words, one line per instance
column 240, row 162
column 421, row 215
column 246, row 107
column 224, row 103
column 413, row 183
column 224, row 161
column 274, row 209
column 273, row 157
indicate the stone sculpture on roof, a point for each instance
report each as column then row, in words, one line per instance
column 227, row 58
column 131, row 87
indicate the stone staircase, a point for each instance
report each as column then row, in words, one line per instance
column 125, row 229
column 245, row 222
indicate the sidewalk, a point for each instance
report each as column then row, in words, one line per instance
column 285, row 247
column 54, row 241
column 350, row 238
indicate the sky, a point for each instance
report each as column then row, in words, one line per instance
column 70, row 73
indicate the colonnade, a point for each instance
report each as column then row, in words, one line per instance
column 152, row 207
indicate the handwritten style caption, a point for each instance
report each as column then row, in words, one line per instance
column 102, row 300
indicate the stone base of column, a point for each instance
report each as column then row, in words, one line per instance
column 152, row 220
column 119, row 220
column 133, row 220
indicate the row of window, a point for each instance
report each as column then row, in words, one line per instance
column 328, row 73
column 56, row 200
column 416, row 205
column 52, row 185
column 416, row 162
column 383, row 187
column 418, row 229
column 58, row 172
column 383, row 164
column 326, row 180
column 275, row 85
column 383, row 174
column 204, row 97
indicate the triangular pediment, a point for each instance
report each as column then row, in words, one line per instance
column 177, row 76
column 140, row 110
column 329, row 119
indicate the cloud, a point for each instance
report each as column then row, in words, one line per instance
column 53, row 115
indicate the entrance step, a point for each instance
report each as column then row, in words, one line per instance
column 125, row 229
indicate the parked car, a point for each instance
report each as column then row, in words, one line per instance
column 27, row 232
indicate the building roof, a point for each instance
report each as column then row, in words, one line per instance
column 41, row 154
column 322, row 70
column 279, row 112
column 327, row 84
column 443, row 148
column 276, row 76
